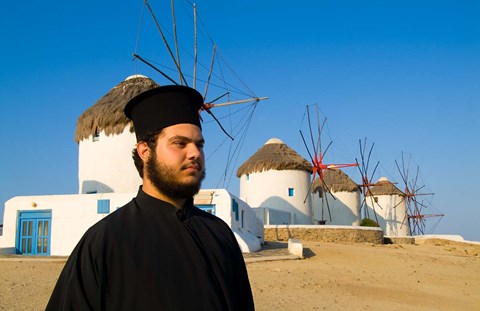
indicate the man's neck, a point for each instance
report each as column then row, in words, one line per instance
column 151, row 190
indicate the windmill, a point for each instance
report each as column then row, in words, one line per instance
column 416, row 216
column 316, row 155
column 190, row 57
column 367, row 180
column 181, row 58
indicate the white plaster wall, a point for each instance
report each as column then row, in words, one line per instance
column 246, row 235
column 345, row 208
column 270, row 189
column 7, row 240
column 260, row 231
column 223, row 205
column 248, row 243
column 72, row 215
column 270, row 216
column 392, row 214
column 106, row 165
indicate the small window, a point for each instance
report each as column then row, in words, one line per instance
column 103, row 206
column 291, row 192
column 235, row 209
column 248, row 176
column 96, row 135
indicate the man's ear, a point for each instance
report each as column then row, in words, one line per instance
column 143, row 151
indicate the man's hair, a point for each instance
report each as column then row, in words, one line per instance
column 150, row 139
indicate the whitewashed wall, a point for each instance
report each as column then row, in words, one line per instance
column 106, row 165
column 391, row 213
column 270, row 189
column 72, row 215
column 249, row 235
column 345, row 208
column 270, row 216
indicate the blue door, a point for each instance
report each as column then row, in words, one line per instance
column 33, row 236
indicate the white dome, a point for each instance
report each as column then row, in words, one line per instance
column 274, row 141
column 136, row 76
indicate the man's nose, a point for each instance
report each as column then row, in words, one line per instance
column 193, row 152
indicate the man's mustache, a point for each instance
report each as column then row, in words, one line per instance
column 196, row 164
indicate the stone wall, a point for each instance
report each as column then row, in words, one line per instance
column 347, row 234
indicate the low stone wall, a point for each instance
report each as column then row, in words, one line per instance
column 347, row 234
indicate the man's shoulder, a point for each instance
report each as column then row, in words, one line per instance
column 213, row 219
column 201, row 213
column 115, row 219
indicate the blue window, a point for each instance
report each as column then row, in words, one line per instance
column 33, row 236
column 209, row 208
column 235, row 208
column 291, row 192
column 103, row 206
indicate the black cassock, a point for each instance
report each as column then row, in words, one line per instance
column 150, row 256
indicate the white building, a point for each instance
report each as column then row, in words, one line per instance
column 52, row 225
column 336, row 199
column 275, row 181
column 389, row 204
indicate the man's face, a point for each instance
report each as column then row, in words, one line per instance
column 177, row 165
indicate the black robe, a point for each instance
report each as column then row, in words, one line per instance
column 148, row 255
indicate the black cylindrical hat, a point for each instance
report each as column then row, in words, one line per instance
column 164, row 106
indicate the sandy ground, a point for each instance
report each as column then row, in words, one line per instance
column 332, row 277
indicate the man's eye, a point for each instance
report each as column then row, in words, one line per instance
column 179, row 143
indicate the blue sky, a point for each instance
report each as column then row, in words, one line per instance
column 403, row 74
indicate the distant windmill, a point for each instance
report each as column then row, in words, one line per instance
column 367, row 180
column 316, row 155
column 415, row 207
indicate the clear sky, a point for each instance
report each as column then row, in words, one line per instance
column 404, row 74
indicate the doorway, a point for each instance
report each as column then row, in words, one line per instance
column 33, row 236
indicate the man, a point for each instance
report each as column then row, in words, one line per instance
column 159, row 252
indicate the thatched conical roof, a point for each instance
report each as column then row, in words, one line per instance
column 335, row 180
column 274, row 155
column 107, row 113
column 384, row 187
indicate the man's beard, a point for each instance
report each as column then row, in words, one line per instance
column 165, row 180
